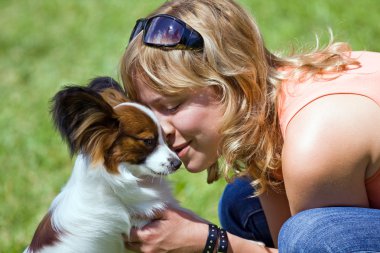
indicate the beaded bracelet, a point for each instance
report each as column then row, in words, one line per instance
column 223, row 241
column 212, row 238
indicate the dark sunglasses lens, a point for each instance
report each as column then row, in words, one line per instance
column 163, row 31
column 137, row 29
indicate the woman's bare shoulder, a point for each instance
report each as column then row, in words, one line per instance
column 328, row 148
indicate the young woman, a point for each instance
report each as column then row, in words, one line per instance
column 302, row 131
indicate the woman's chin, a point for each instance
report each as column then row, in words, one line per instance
column 194, row 169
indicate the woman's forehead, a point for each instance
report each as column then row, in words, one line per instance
column 147, row 95
column 152, row 91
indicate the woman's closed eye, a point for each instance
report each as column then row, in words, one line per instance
column 167, row 105
column 172, row 108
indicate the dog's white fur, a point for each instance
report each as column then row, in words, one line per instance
column 96, row 207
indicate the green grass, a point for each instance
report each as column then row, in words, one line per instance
column 47, row 44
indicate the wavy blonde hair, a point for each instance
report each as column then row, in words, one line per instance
column 236, row 62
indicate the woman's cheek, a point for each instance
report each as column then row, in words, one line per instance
column 187, row 121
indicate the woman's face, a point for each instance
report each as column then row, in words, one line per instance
column 191, row 124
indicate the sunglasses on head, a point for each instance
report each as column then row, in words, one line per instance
column 166, row 31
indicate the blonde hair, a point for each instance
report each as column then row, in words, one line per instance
column 236, row 62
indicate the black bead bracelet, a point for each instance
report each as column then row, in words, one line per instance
column 223, row 241
column 213, row 232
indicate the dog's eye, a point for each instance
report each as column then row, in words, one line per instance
column 150, row 142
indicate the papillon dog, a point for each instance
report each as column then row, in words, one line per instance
column 117, row 180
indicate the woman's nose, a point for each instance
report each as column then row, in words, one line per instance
column 167, row 128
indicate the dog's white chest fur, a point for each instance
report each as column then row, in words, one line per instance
column 95, row 208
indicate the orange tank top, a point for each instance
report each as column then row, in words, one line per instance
column 364, row 81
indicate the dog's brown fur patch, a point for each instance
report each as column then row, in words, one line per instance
column 44, row 236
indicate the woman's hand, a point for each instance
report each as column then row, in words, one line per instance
column 174, row 230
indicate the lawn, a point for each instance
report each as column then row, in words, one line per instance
column 47, row 44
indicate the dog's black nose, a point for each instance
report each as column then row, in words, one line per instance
column 174, row 163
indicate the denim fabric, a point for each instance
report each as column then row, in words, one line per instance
column 332, row 229
column 241, row 214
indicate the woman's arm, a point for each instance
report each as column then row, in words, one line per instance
column 239, row 245
column 276, row 209
column 330, row 146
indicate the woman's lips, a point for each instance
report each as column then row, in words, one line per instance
column 182, row 150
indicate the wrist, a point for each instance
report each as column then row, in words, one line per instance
column 199, row 234
column 238, row 244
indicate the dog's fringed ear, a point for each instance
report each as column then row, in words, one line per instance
column 101, row 83
column 85, row 120
column 109, row 89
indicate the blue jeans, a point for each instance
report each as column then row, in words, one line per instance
column 332, row 229
column 328, row 229
column 241, row 214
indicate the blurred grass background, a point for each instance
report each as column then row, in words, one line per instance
column 45, row 44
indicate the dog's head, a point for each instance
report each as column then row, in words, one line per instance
column 99, row 122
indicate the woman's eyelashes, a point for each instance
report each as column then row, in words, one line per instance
column 172, row 108
column 167, row 105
